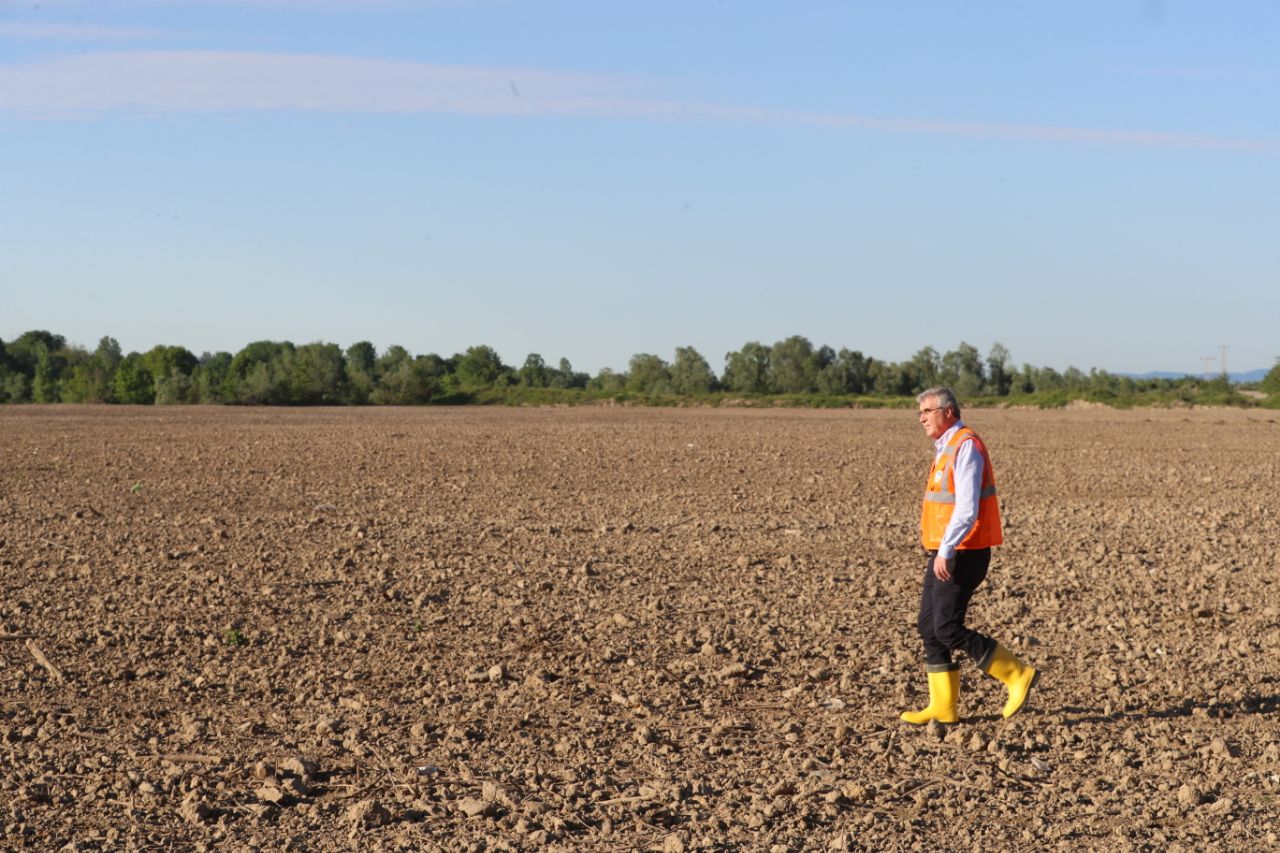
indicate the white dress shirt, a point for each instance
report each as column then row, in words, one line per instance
column 967, row 471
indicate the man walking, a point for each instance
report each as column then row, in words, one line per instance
column 959, row 525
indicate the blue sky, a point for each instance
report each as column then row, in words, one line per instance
column 1091, row 184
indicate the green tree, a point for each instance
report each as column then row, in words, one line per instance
column 1271, row 382
column 89, row 378
column 648, row 374
column 25, row 349
column 962, row 370
column 440, row 369
column 133, row 382
column 534, row 373
column 747, row 370
column 846, row 374
column 173, row 390
column 170, row 368
column 209, row 378
column 318, row 375
column 163, row 360
column 259, row 374
column 14, row 386
column 565, row 377
column 608, row 381
column 266, row 383
column 1024, row 380
column 925, row 368
column 1101, row 382
column 999, row 374
column 410, row 382
column 1074, row 379
column 9, row 376
column 690, row 373
column 397, row 385
column 822, row 358
column 894, row 380
column 391, row 359
column 35, row 362
column 362, row 360
column 85, row 380
column 480, row 367
column 108, row 352
column 791, row 366
column 106, row 358
column 1048, row 379
column 46, row 383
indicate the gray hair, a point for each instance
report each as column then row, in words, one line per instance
column 945, row 396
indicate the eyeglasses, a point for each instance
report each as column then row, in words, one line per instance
column 931, row 411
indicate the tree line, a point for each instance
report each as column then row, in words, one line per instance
column 42, row 367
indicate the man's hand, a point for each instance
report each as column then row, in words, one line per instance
column 942, row 567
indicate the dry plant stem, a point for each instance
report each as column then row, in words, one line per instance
column 614, row 800
column 191, row 758
column 44, row 661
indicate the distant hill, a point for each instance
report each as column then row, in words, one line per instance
column 1236, row 378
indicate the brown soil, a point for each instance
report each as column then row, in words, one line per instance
column 624, row 629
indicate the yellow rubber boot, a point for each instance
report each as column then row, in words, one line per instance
column 1015, row 674
column 944, row 690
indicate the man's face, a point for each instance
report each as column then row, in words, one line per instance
column 935, row 419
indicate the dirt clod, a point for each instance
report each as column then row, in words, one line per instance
column 473, row 807
column 1189, row 795
column 194, row 809
column 367, row 814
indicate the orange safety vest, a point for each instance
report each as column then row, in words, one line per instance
column 940, row 499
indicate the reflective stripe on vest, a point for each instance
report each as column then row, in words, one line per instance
column 950, row 497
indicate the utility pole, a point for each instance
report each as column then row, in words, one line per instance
column 1223, row 349
column 1206, row 362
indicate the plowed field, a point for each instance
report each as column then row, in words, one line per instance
column 607, row 628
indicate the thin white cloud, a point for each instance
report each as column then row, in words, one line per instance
column 996, row 130
column 152, row 82
column 218, row 81
column 31, row 31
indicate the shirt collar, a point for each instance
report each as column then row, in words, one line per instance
column 942, row 440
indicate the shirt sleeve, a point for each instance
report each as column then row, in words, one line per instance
column 968, row 479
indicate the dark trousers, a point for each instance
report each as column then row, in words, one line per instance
column 943, row 605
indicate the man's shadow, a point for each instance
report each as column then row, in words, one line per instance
column 1250, row 705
